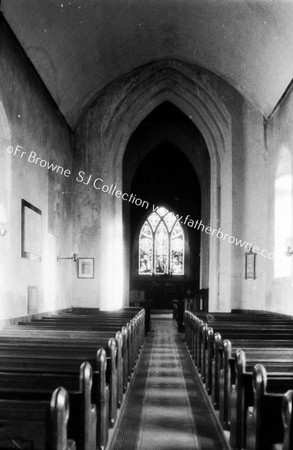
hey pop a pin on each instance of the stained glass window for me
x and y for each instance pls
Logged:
(177, 251)
(170, 219)
(161, 244)
(153, 220)
(145, 250)
(161, 249)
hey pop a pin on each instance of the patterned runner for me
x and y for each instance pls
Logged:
(166, 407)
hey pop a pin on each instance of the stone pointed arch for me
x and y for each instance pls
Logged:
(123, 106)
(187, 89)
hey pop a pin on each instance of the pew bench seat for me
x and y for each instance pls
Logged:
(265, 426)
(39, 423)
(82, 425)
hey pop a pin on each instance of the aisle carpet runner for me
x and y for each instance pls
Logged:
(166, 407)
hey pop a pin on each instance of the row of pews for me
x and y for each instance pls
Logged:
(197, 304)
(246, 363)
(63, 376)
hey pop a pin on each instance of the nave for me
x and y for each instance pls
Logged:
(85, 379)
(62, 377)
(146, 156)
(166, 407)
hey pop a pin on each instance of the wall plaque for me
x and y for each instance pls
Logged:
(31, 231)
(250, 263)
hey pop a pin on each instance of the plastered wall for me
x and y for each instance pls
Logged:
(255, 161)
(101, 138)
(250, 166)
(241, 193)
(31, 122)
(279, 291)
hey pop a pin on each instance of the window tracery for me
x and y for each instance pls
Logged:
(161, 244)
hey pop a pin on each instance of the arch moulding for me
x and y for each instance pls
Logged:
(132, 98)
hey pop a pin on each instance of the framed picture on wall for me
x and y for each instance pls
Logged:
(31, 232)
(85, 267)
(250, 263)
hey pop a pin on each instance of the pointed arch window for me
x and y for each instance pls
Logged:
(161, 244)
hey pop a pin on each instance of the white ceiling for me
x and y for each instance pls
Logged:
(79, 46)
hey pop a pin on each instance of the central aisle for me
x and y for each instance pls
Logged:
(167, 417)
(166, 407)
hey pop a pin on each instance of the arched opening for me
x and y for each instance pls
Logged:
(204, 136)
(283, 215)
(167, 165)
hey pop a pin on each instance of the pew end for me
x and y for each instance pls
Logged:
(101, 398)
(264, 419)
(287, 420)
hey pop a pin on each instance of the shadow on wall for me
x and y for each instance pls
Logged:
(6, 272)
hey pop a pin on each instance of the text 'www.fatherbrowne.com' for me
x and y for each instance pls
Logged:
(199, 225)
(98, 184)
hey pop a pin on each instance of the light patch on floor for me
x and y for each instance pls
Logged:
(167, 419)
(166, 406)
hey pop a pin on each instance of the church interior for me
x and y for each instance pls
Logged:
(146, 189)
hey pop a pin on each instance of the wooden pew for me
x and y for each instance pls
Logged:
(69, 352)
(126, 357)
(243, 317)
(133, 334)
(136, 324)
(223, 365)
(197, 331)
(130, 344)
(237, 372)
(63, 360)
(232, 322)
(243, 331)
(287, 411)
(234, 364)
(68, 340)
(255, 333)
(41, 423)
(82, 423)
(137, 315)
(264, 418)
(206, 351)
(242, 394)
(193, 320)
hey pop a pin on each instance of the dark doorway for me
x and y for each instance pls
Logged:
(164, 177)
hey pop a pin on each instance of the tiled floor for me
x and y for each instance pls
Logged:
(166, 406)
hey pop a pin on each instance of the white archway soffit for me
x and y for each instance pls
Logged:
(182, 141)
(79, 46)
(166, 81)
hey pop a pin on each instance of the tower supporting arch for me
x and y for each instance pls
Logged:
(131, 99)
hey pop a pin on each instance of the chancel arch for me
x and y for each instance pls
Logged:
(149, 155)
(195, 95)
